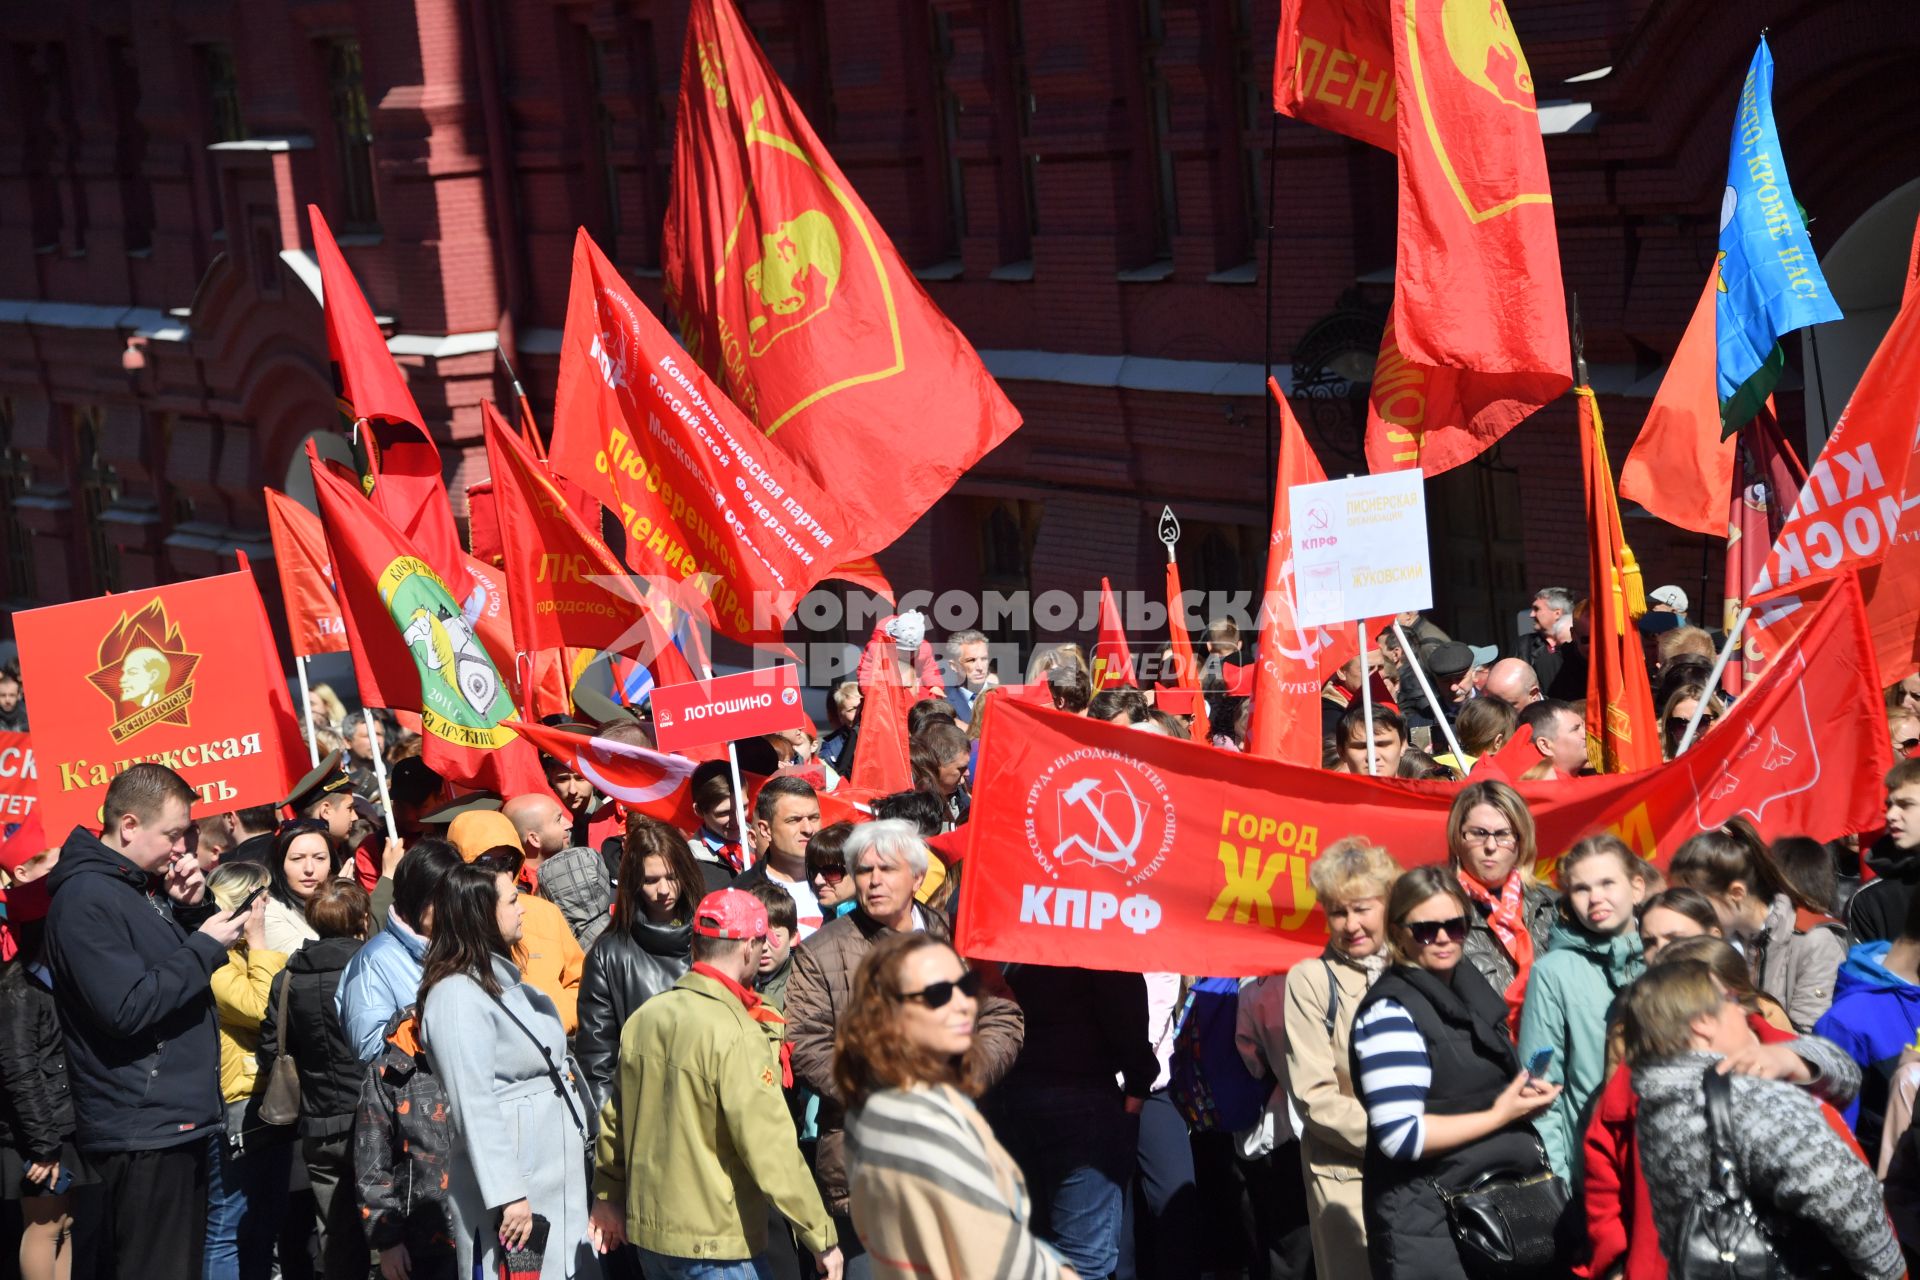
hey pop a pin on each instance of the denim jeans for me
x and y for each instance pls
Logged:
(246, 1194)
(659, 1266)
(1074, 1143)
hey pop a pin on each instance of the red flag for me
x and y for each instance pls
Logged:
(1515, 756)
(1285, 723)
(1095, 846)
(1186, 669)
(403, 465)
(1862, 498)
(1622, 725)
(865, 572)
(703, 498)
(881, 761)
(1112, 659)
(649, 782)
(1479, 330)
(306, 579)
(790, 294)
(287, 719)
(1680, 469)
(414, 649)
(1755, 515)
(1333, 67)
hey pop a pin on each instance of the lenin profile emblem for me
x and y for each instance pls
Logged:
(1464, 55)
(145, 671)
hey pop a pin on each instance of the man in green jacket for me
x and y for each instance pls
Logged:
(696, 1140)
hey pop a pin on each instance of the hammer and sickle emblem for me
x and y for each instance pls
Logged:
(1116, 850)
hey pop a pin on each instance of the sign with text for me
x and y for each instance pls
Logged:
(1360, 548)
(727, 709)
(173, 675)
(17, 789)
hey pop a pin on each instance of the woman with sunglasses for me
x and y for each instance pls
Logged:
(933, 1194)
(1490, 847)
(645, 950)
(1446, 1101)
(827, 870)
(1679, 711)
(304, 857)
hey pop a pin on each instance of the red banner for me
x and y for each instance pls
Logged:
(18, 778)
(1096, 845)
(727, 708)
(1478, 339)
(306, 579)
(1623, 729)
(1333, 67)
(790, 294)
(175, 675)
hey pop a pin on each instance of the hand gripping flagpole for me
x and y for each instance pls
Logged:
(1734, 633)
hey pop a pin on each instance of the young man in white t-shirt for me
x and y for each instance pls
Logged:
(785, 815)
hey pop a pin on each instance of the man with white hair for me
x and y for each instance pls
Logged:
(969, 671)
(1551, 648)
(887, 859)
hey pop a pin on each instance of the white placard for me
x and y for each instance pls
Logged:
(1360, 548)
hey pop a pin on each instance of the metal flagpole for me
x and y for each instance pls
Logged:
(1366, 692)
(1433, 702)
(306, 706)
(380, 771)
(739, 789)
(1734, 633)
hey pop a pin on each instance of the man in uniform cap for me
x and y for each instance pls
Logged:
(325, 794)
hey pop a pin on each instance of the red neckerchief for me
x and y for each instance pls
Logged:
(1509, 924)
(760, 1012)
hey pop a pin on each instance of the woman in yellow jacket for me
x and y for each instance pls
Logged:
(248, 1171)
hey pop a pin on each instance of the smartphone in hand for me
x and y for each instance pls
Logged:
(246, 903)
(1537, 1065)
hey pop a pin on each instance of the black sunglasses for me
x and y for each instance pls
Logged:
(935, 995)
(1678, 724)
(831, 874)
(1428, 932)
(1906, 744)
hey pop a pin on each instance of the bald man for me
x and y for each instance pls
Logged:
(544, 825)
(1514, 682)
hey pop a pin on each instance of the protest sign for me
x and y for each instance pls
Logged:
(175, 675)
(1360, 548)
(16, 777)
(728, 708)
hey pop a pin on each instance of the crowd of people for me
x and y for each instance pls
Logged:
(544, 1035)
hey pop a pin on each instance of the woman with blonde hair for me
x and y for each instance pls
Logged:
(1490, 846)
(933, 1193)
(328, 710)
(1048, 657)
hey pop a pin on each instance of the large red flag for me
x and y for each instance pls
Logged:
(704, 499)
(790, 294)
(413, 649)
(882, 760)
(306, 579)
(403, 464)
(1285, 723)
(1096, 846)
(643, 781)
(1479, 331)
(1112, 659)
(1623, 729)
(1333, 67)
(1680, 468)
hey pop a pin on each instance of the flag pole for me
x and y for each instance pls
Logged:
(1420, 674)
(306, 707)
(1366, 692)
(739, 789)
(380, 771)
(1734, 633)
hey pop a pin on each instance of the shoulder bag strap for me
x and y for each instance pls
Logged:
(1333, 997)
(553, 1068)
(1718, 1091)
(280, 1017)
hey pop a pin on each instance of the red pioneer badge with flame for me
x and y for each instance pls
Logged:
(145, 671)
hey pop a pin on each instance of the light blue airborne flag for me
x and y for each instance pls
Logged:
(1770, 281)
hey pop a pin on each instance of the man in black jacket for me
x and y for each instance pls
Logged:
(143, 1053)
(1879, 908)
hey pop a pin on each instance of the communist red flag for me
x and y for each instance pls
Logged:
(1680, 468)
(1478, 339)
(1623, 729)
(306, 579)
(1183, 697)
(1112, 659)
(704, 499)
(1285, 722)
(403, 464)
(1755, 511)
(1333, 67)
(413, 649)
(882, 763)
(790, 294)
(1095, 846)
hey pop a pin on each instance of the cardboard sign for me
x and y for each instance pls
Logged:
(173, 675)
(1360, 548)
(728, 708)
(16, 777)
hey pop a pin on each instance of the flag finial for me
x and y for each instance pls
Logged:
(1169, 530)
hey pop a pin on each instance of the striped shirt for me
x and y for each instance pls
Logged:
(1395, 1077)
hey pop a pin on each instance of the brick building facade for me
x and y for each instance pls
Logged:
(1084, 186)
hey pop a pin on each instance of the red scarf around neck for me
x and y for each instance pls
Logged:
(1508, 921)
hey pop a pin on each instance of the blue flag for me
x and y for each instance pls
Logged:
(1770, 281)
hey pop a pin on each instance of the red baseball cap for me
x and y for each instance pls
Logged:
(27, 842)
(730, 913)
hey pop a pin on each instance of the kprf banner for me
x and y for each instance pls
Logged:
(1099, 846)
(727, 708)
(175, 675)
(17, 777)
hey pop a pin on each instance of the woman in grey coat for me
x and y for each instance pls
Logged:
(520, 1146)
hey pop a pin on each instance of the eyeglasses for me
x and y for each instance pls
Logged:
(1480, 835)
(1677, 725)
(1428, 932)
(935, 995)
(1904, 745)
(830, 874)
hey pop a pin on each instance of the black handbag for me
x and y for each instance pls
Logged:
(1723, 1237)
(1506, 1227)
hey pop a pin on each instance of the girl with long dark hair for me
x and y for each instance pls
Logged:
(305, 856)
